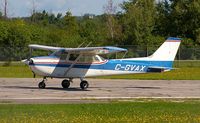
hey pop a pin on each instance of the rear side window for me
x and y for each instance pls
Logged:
(88, 59)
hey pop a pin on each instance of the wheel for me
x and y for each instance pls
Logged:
(65, 83)
(84, 85)
(42, 85)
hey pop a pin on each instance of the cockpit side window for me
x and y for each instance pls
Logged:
(89, 59)
(73, 57)
(86, 58)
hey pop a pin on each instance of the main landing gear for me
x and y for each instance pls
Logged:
(42, 84)
(84, 85)
(65, 84)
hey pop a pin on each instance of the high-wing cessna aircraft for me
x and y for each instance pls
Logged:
(86, 62)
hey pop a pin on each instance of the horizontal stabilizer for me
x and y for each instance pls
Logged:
(158, 69)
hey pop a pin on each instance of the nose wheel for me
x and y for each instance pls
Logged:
(84, 85)
(42, 85)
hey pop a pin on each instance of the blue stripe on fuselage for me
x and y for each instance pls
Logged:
(168, 64)
(119, 65)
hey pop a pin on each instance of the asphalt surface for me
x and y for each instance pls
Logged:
(26, 90)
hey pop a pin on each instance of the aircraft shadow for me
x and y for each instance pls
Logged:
(144, 87)
(47, 88)
(78, 89)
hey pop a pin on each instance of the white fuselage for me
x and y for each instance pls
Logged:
(56, 68)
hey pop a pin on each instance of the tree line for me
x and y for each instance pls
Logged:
(140, 22)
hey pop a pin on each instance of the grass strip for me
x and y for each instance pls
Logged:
(138, 112)
(177, 74)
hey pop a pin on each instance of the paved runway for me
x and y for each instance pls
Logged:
(26, 90)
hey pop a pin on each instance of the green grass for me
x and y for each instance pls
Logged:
(178, 74)
(188, 70)
(187, 63)
(15, 72)
(137, 112)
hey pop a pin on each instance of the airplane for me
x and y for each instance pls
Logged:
(70, 63)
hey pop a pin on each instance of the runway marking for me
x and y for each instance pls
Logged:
(90, 98)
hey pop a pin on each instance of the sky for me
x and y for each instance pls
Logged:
(22, 8)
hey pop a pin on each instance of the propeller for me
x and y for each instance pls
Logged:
(28, 61)
(25, 61)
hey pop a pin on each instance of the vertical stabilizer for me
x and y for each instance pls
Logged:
(167, 51)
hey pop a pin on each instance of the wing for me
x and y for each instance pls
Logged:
(95, 50)
(43, 47)
(87, 50)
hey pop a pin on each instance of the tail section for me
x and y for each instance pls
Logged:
(167, 51)
(164, 55)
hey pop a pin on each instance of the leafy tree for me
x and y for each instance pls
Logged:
(40, 18)
(163, 22)
(70, 23)
(185, 18)
(58, 20)
(92, 30)
(139, 21)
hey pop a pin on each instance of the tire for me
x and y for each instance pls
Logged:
(65, 83)
(84, 85)
(42, 85)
